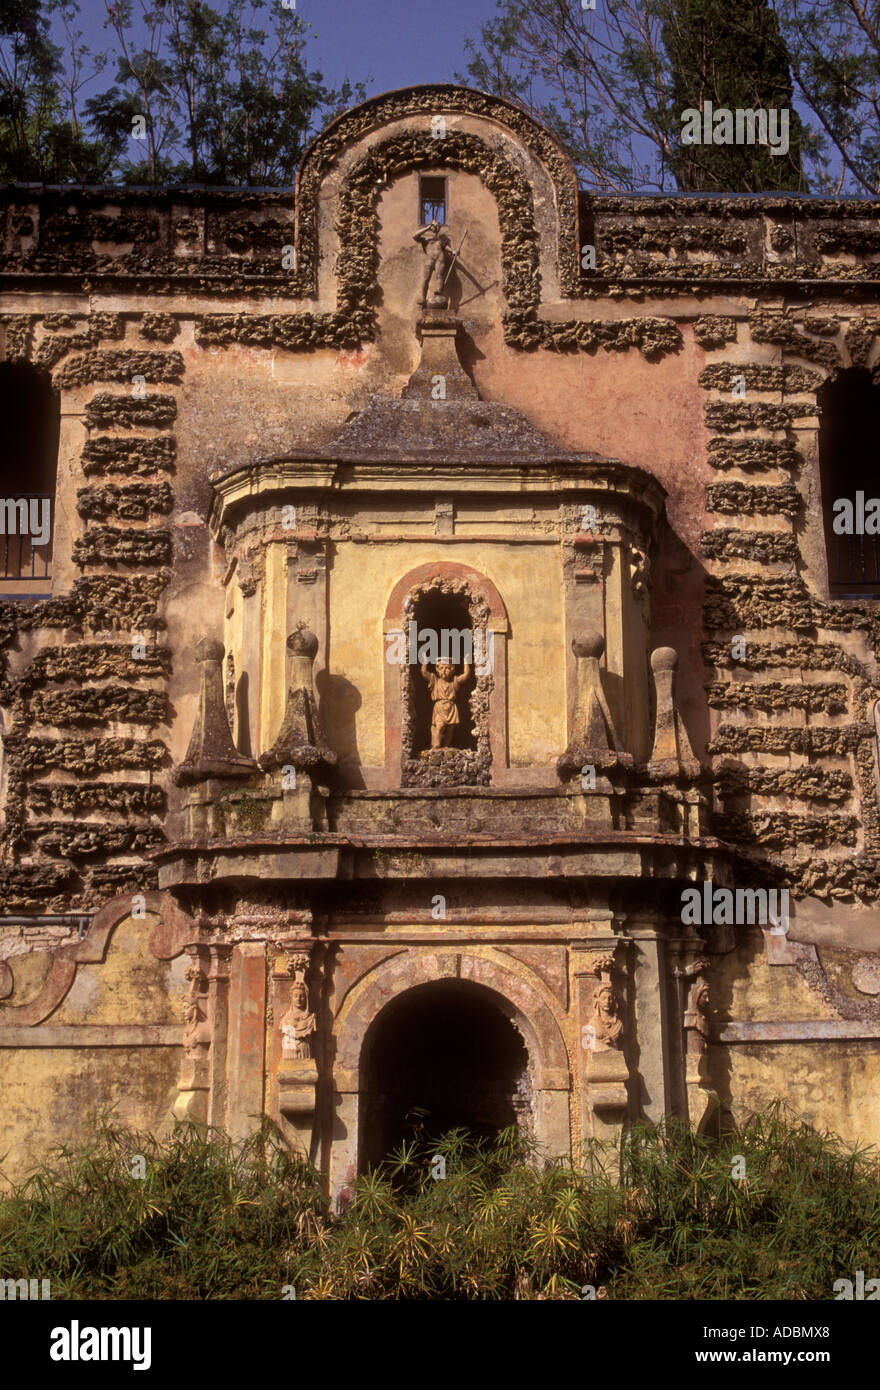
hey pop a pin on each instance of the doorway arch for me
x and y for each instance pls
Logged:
(515, 993)
(440, 1056)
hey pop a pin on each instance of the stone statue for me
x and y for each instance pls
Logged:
(435, 244)
(443, 687)
(192, 1008)
(298, 1024)
(695, 1016)
(607, 1023)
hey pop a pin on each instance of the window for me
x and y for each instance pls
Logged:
(849, 412)
(30, 411)
(432, 200)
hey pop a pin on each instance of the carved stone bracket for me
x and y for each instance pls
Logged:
(209, 965)
(604, 1071)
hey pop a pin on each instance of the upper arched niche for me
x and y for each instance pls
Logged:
(342, 173)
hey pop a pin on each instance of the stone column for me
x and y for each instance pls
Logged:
(700, 1100)
(218, 984)
(201, 1097)
(194, 1085)
(652, 1020)
(247, 1030)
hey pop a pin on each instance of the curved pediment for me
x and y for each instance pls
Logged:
(438, 126)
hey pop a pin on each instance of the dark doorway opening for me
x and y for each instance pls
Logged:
(447, 1049)
(849, 413)
(31, 414)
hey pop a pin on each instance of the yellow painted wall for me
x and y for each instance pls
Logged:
(361, 582)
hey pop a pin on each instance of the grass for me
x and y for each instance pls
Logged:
(659, 1217)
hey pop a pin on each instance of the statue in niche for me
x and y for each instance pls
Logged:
(435, 244)
(608, 1024)
(443, 686)
(298, 1023)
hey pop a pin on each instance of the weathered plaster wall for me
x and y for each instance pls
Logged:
(242, 361)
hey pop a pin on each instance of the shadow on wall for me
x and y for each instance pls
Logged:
(338, 704)
(242, 716)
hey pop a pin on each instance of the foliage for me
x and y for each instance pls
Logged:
(208, 94)
(660, 1217)
(834, 53)
(734, 57)
(613, 82)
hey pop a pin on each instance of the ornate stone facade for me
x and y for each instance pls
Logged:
(240, 875)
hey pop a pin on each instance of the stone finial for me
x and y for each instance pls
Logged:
(594, 737)
(301, 742)
(211, 752)
(672, 754)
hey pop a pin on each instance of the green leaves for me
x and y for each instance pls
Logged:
(660, 1216)
(208, 94)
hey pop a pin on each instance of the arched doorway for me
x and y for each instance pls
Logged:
(448, 1050)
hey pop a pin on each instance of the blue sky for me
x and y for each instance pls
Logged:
(396, 42)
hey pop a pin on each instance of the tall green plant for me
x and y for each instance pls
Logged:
(666, 1215)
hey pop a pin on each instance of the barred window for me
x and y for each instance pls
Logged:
(432, 200)
(30, 412)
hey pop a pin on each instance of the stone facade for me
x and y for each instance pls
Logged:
(237, 877)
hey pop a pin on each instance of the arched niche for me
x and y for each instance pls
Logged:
(478, 1080)
(505, 133)
(424, 592)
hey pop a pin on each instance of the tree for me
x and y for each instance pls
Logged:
(614, 83)
(41, 137)
(734, 57)
(600, 84)
(207, 94)
(834, 48)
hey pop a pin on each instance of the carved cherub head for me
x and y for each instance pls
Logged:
(445, 670)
